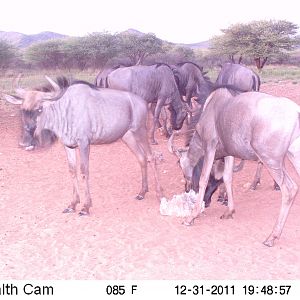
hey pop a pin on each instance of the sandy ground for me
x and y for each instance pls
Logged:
(128, 239)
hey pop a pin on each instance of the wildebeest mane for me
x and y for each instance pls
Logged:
(157, 65)
(190, 62)
(64, 83)
(91, 85)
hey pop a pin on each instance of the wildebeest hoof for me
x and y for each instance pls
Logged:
(220, 199)
(188, 222)
(139, 197)
(228, 215)
(225, 202)
(253, 186)
(69, 210)
(83, 213)
(29, 148)
(269, 243)
(276, 187)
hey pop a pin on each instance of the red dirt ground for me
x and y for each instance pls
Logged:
(128, 239)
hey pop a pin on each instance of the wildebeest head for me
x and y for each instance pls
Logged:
(177, 116)
(184, 163)
(31, 103)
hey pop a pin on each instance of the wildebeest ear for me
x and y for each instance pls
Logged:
(12, 99)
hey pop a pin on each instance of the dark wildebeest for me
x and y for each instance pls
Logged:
(82, 115)
(246, 80)
(101, 78)
(240, 126)
(192, 82)
(155, 84)
(215, 178)
(238, 76)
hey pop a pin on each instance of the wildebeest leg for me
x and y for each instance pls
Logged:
(211, 188)
(163, 122)
(152, 107)
(276, 186)
(158, 108)
(135, 145)
(84, 150)
(188, 97)
(227, 177)
(71, 155)
(288, 190)
(212, 185)
(207, 166)
(256, 180)
(222, 197)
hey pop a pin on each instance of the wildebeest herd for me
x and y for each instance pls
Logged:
(230, 120)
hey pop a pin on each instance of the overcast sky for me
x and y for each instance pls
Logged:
(186, 21)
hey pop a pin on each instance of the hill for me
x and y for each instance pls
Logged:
(21, 40)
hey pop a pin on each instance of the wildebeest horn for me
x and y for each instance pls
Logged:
(53, 83)
(172, 149)
(16, 86)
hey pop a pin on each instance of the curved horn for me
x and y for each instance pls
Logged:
(172, 149)
(53, 83)
(16, 86)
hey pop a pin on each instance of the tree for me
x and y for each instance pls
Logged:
(140, 46)
(48, 55)
(8, 55)
(76, 53)
(259, 40)
(100, 48)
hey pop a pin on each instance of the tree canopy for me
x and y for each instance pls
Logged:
(137, 47)
(258, 40)
(8, 55)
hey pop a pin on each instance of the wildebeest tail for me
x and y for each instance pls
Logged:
(256, 83)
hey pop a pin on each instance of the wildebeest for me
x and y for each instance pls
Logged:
(28, 116)
(238, 76)
(155, 84)
(215, 178)
(246, 80)
(240, 126)
(82, 115)
(231, 75)
(101, 78)
(192, 82)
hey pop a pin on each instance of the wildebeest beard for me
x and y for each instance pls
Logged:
(30, 139)
(45, 139)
